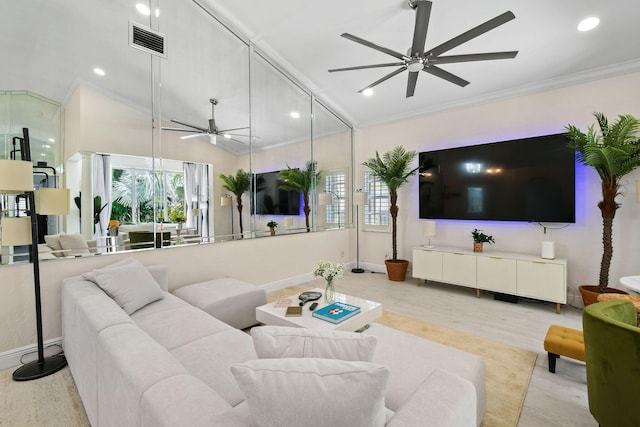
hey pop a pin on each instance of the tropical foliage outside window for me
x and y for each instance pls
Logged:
(334, 184)
(134, 192)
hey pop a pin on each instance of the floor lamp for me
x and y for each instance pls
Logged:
(359, 199)
(16, 177)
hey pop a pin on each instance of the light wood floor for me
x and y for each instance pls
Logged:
(558, 399)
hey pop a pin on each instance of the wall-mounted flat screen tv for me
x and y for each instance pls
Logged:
(270, 199)
(530, 179)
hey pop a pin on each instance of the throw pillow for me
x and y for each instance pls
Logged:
(274, 342)
(131, 286)
(313, 392)
(91, 275)
(73, 244)
(53, 241)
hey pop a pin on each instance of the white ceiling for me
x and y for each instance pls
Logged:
(305, 38)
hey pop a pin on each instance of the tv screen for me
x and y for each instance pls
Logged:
(271, 200)
(530, 179)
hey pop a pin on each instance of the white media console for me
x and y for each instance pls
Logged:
(506, 273)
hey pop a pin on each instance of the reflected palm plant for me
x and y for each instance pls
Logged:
(237, 184)
(303, 181)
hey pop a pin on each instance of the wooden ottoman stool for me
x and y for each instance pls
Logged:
(561, 341)
(230, 300)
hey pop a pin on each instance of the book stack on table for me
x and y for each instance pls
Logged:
(336, 312)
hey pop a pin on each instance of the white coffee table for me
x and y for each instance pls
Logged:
(370, 311)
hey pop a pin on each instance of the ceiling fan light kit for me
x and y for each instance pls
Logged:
(211, 130)
(417, 59)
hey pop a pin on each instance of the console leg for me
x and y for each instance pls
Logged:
(558, 307)
(477, 293)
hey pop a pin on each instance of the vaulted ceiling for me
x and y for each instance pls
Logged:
(305, 37)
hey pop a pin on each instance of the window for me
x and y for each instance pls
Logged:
(376, 211)
(335, 212)
(134, 191)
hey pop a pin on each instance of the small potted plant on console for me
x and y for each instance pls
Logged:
(479, 238)
(272, 227)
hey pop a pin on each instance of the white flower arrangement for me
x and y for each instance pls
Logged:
(329, 270)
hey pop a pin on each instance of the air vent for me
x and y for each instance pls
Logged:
(143, 38)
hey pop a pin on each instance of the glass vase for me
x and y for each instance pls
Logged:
(329, 292)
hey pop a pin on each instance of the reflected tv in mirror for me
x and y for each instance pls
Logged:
(270, 199)
(530, 179)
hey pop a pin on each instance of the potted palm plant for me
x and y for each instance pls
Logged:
(394, 169)
(237, 184)
(613, 153)
(303, 181)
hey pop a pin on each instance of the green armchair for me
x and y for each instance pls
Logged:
(612, 350)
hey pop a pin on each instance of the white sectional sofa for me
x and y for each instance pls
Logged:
(169, 364)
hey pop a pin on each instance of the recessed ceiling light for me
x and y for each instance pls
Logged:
(367, 92)
(52, 140)
(226, 135)
(99, 71)
(46, 146)
(295, 114)
(588, 24)
(143, 9)
(43, 155)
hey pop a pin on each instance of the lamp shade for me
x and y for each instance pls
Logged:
(225, 201)
(16, 176)
(16, 231)
(429, 228)
(325, 199)
(360, 198)
(52, 201)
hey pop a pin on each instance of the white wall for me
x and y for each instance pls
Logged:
(264, 261)
(518, 117)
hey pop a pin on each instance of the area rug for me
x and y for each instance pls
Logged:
(508, 369)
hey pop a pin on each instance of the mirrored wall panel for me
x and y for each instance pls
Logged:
(167, 126)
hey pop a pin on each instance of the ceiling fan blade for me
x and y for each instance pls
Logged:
(191, 126)
(373, 46)
(439, 72)
(471, 34)
(473, 57)
(227, 130)
(363, 67)
(388, 76)
(195, 135)
(423, 13)
(181, 130)
(411, 83)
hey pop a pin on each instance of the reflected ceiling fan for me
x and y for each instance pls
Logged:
(211, 130)
(417, 59)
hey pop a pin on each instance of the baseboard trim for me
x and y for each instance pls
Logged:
(12, 358)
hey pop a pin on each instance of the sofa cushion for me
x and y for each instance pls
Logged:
(311, 392)
(130, 285)
(73, 244)
(53, 241)
(272, 342)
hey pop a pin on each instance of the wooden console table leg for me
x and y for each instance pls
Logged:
(558, 307)
(477, 293)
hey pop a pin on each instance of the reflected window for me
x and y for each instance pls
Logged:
(475, 199)
(376, 211)
(335, 212)
(134, 192)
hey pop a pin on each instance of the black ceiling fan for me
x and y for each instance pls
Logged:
(417, 59)
(211, 130)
